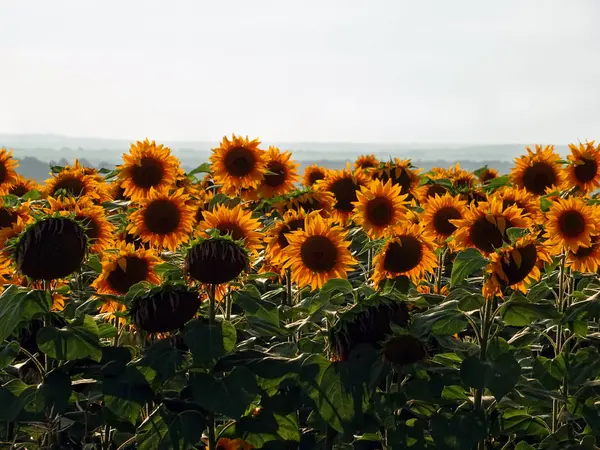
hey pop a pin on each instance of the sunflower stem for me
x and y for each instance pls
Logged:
(486, 322)
(212, 440)
(288, 287)
(563, 286)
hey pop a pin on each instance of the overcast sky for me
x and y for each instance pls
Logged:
(461, 71)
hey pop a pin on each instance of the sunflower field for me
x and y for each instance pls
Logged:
(243, 305)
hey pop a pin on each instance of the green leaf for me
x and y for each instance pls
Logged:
(126, 394)
(209, 343)
(33, 194)
(550, 372)
(163, 430)
(443, 320)
(324, 387)
(498, 182)
(254, 306)
(470, 302)
(261, 364)
(77, 340)
(473, 372)
(336, 285)
(516, 233)
(521, 423)
(524, 446)
(266, 427)
(18, 304)
(8, 352)
(455, 393)
(519, 312)
(503, 376)
(466, 263)
(202, 168)
(56, 390)
(163, 358)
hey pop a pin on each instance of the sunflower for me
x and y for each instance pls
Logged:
(378, 207)
(163, 220)
(538, 171)
(439, 212)
(312, 174)
(98, 229)
(486, 175)
(74, 182)
(516, 265)
(484, 225)
(408, 251)
(430, 189)
(238, 164)
(201, 204)
(216, 260)
(570, 224)
(276, 239)
(529, 203)
(7, 170)
(307, 199)
(233, 444)
(366, 162)
(236, 222)
(6, 235)
(401, 172)
(403, 349)
(281, 173)
(344, 185)
(21, 186)
(9, 215)
(461, 179)
(147, 166)
(584, 168)
(317, 253)
(585, 259)
(124, 268)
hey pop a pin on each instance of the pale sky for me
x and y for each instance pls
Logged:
(462, 71)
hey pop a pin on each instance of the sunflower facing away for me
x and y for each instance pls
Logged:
(584, 166)
(378, 207)
(570, 224)
(366, 162)
(401, 172)
(307, 199)
(276, 239)
(7, 170)
(147, 166)
(312, 174)
(318, 253)
(408, 252)
(98, 229)
(21, 186)
(538, 171)
(238, 164)
(236, 222)
(344, 185)
(281, 173)
(163, 220)
(529, 203)
(516, 265)
(585, 259)
(484, 226)
(439, 212)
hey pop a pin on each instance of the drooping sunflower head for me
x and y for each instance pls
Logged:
(439, 213)
(400, 172)
(378, 207)
(408, 251)
(276, 239)
(403, 349)
(344, 185)
(312, 174)
(236, 222)
(124, 267)
(487, 174)
(147, 166)
(527, 202)
(164, 220)
(570, 224)
(216, 260)
(585, 259)
(538, 171)
(366, 162)
(8, 176)
(583, 170)
(515, 266)
(165, 308)
(50, 248)
(238, 164)
(318, 252)
(484, 225)
(308, 200)
(281, 173)
(21, 186)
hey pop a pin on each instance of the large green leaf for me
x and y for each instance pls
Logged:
(77, 340)
(331, 287)
(126, 394)
(261, 364)
(265, 426)
(18, 305)
(8, 352)
(499, 376)
(518, 311)
(202, 168)
(209, 343)
(163, 430)
(56, 390)
(523, 424)
(163, 358)
(465, 264)
(255, 307)
(443, 320)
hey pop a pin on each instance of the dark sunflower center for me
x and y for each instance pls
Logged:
(380, 211)
(583, 252)
(315, 176)
(7, 217)
(366, 164)
(162, 217)
(71, 185)
(403, 256)
(19, 190)
(232, 229)
(3, 173)
(485, 235)
(442, 218)
(277, 176)
(487, 176)
(344, 191)
(239, 161)
(402, 179)
(571, 223)
(310, 204)
(136, 270)
(319, 254)
(518, 268)
(199, 216)
(434, 189)
(148, 173)
(538, 177)
(296, 224)
(91, 227)
(587, 171)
